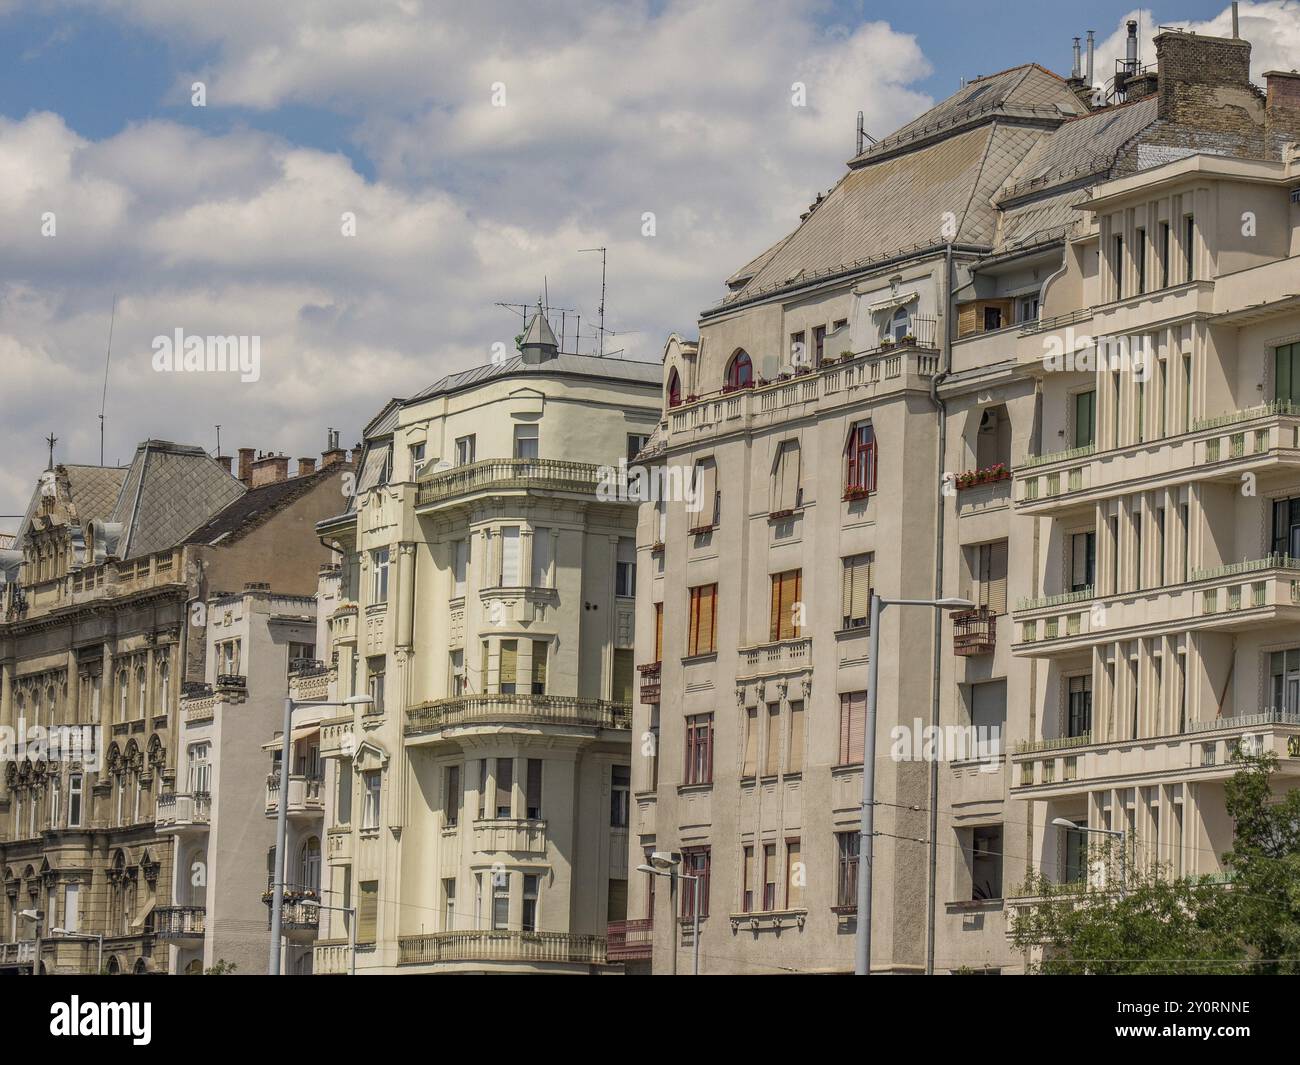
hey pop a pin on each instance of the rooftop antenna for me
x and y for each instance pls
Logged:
(51, 440)
(601, 309)
(863, 135)
(103, 398)
(218, 441)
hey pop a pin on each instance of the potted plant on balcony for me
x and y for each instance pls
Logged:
(846, 355)
(856, 492)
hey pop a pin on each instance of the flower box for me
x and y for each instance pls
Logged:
(856, 493)
(988, 475)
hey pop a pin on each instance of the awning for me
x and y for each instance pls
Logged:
(145, 911)
(900, 300)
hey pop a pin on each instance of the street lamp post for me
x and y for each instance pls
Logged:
(1116, 833)
(282, 818)
(666, 864)
(351, 911)
(862, 961)
(87, 937)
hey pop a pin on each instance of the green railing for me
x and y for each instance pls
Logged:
(1265, 410)
(1059, 743)
(546, 474)
(1254, 565)
(1063, 599)
(1058, 456)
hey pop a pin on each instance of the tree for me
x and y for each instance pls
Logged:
(1248, 922)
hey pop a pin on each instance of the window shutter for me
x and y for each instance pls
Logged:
(772, 758)
(749, 875)
(539, 664)
(708, 619)
(853, 712)
(367, 911)
(708, 778)
(659, 632)
(846, 589)
(997, 594)
(706, 478)
(774, 628)
(509, 661)
(541, 557)
(750, 766)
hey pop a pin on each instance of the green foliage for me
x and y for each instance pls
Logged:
(1247, 922)
(221, 968)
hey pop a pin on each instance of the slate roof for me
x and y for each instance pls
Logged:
(564, 364)
(255, 506)
(169, 491)
(90, 490)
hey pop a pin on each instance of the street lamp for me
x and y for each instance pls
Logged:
(666, 863)
(35, 916)
(1065, 822)
(282, 817)
(351, 911)
(88, 937)
(862, 966)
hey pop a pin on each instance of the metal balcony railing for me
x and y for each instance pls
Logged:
(974, 632)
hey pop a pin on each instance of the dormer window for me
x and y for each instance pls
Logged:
(674, 390)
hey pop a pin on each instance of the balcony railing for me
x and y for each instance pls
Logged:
(20, 953)
(650, 674)
(179, 922)
(775, 657)
(1264, 410)
(629, 940)
(183, 809)
(1058, 456)
(304, 794)
(1061, 599)
(974, 632)
(501, 946)
(529, 709)
(543, 474)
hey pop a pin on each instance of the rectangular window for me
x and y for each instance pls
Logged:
(749, 768)
(370, 812)
(508, 674)
(500, 901)
(696, 862)
(1085, 418)
(991, 560)
(344, 808)
(794, 874)
(704, 511)
(786, 593)
(482, 788)
(702, 632)
(772, 741)
(72, 908)
(525, 441)
(1164, 254)
(853, 714)
(379, 575)
(1076, 856)
(846, 880)
(1079, 716)
(1083, 560)
(540, 650)
(1119, 268)
(620, 796)
(456, 671)
(625, 567)
(787, 489)
(533, 790)
(798, 347)
(986, 863)
(659, 632)
(819, 344)
(510, 556)
(855, 597)
(74, 800)
(1140, 253)
(465, 450)
(636, 443)
(367, 910)
(451, 797)
(699, 749)
(460, 567)
(505, 782)
(531, 881)
(1286, 376)
(860, 461)
(541, 557)
(375, 684)
(1189, 246)
(449, 905)
(747, 874)
(794, 749)
(769, 876)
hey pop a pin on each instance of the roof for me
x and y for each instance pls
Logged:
(86, 492)
(169, 491)
(539, 333)
(237, 519)
(563, 365)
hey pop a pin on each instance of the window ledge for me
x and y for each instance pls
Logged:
(703, 657)
(757, 919)
(688, 789)
(959, 905)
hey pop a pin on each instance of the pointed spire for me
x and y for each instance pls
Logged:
(539, 343)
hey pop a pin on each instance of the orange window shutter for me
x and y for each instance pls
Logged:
(774, 629)
(659, 632)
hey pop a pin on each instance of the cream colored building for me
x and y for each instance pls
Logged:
(476, 812)
(993, 476)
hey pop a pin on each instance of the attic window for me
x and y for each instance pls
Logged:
(978, 92)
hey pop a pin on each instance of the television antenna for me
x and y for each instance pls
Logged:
(601, 309)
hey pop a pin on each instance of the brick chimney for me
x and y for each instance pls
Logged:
(1282, 105)
(225, 461)
(246, 465)
(333, 454)
(1205, 81)
(306, 466)
(269, 469)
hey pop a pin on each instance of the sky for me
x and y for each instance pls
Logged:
(358, 185)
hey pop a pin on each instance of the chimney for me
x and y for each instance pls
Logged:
(1205, 82)
(1076, 68)
(246, 466)
(306, 466)
(332, 454)
(269, 469)
(1091, 48)
(1282, 106)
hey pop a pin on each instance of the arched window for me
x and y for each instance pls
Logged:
(860, 460)
(674, 389)
(164, 686)
(123, 696)
(113, 966)
(740, 371)
(309, 865)
(142, 692)
(901, 324)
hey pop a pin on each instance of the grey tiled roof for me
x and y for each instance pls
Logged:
(169, 491)
(91, 491)
(561, 365)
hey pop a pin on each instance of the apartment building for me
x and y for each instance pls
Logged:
(477, 808)
(911, 398)
(100, 633)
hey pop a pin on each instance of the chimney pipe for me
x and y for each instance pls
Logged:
(246, 465)
(1131, 47)
(1091, 45)
(1076, 70)
(225, 461)
(1236, 26)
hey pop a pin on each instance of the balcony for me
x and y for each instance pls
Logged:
(336, 737)
(177, 813)
(540, 948)
(510, 834)
(650, 673)
(974, 632)
(305, 798)
(1203, 750)
(331, 957)
(475, 710)
(309, 680)
(508, 475)
(782, 656)
(179, 922)
(299, 914)
(338, 845)
(629, 940)
(20, 953)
